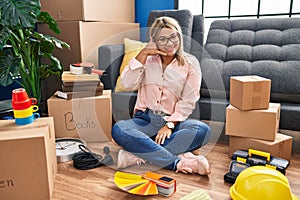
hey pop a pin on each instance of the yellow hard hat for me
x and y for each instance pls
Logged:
(261, 182)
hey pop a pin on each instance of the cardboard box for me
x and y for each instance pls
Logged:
(87, 118)
(250, 92)
(281, 147)
(85, 38)
(28, 159)
(259, 124)
(90, 10)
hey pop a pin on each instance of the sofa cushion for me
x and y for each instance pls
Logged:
(184, 18)
(131, 48)
(264, 47)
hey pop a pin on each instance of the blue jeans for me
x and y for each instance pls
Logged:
(137, 135)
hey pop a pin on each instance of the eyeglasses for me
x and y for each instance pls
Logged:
(163, 41)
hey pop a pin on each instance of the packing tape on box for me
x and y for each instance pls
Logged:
(76, 70)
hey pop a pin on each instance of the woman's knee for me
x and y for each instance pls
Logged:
(205, 130)
(201, 127)
(114, 132)
(117, 130)
(121, 130)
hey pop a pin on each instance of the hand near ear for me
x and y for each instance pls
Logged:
(150, 49)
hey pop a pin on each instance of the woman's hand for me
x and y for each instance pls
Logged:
(149, 49)
(162, 134)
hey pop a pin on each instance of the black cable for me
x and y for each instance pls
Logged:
(88, 160)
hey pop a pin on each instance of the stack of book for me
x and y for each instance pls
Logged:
(149, 183)
(78, 86)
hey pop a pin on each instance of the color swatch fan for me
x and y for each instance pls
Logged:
(146, 184)
(135, 184)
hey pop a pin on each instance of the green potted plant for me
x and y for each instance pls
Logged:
(25, 54)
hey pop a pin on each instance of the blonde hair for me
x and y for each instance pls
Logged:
(168, 22)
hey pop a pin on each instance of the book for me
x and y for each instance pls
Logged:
(74, 95)
(81, 83)
(68, 76)
(85, 68)
(149, 183)
(76, 88)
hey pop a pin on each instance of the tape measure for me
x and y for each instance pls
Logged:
(85, 68)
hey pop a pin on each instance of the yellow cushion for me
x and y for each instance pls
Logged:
(132, 48)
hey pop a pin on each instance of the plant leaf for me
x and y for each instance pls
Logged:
(56, 65)
(45, 72)
(9, 69)
(19, 13)
(48, 43)
(46, 18)
(4, 36)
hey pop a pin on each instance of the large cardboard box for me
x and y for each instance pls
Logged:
(250, 92)
(260, 124)
(90, 10)
(86, 37)
(28, 159)
(87, 118)
(281, 147)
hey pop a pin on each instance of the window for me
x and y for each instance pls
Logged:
(215, 8)
(243, 7)
(296, 7)
(240, 9)
(195, 6)
(274, 6)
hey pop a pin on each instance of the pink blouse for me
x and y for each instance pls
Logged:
(173, 91)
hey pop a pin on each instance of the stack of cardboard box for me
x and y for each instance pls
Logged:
(28, 160)
(88, 118)
(252, 121)
(87, 24)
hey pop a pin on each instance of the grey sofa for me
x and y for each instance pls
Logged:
(266, 47)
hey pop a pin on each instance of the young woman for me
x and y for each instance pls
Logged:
(168, 81)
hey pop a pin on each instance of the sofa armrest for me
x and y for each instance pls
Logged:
(110, 59)
(197, 36)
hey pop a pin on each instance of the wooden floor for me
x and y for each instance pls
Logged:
(98, 183)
